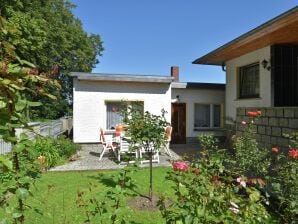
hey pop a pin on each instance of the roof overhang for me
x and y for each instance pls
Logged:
(282, 29)
(121, 77)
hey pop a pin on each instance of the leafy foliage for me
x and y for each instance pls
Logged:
(207, 193)
(283, 182)
(47, 34)
(208, 142)
(53, 150)
(18, 80)
(111, 208)
(250, 159)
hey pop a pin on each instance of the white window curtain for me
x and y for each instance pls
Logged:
(207, 116)
(202, 115)
(113, 114)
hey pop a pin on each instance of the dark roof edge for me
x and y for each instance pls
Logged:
(198, 85)
(121, 77)
(262, 26)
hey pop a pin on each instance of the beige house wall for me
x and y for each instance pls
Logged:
(232, 66)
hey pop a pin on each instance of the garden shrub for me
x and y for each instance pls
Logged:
(250, 160)
(283, 182)
(53, 150)
(206, 193)
(208, 142)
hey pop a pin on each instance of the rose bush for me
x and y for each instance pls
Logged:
(207, 193)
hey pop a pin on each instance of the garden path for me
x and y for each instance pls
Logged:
(88, 158)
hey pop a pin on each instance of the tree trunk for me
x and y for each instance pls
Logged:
(150, 177)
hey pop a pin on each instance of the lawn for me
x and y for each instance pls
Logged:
(55, 195)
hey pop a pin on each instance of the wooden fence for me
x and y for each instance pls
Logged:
(53, 128)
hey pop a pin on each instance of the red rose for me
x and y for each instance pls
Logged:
(276, 150)
(252, 114)
(293, 153)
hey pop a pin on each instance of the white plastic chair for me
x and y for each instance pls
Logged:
(107, 143)
(124, 148)
(168, 136)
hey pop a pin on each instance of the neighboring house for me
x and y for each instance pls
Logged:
(261, 73)
(98, 98)
(196, 108)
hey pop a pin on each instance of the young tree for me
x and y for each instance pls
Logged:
(148, 131)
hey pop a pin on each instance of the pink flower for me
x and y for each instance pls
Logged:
(275, 150)
(293, 153)
(243, 122)
(241, 182)
(180, 166)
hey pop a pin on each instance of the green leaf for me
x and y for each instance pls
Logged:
(2, 104)
(19, 147)
(33, 104)
(5, 81)
(3, 221)
(16, 215)
(20, 105)
(22, 193)
(6, 163)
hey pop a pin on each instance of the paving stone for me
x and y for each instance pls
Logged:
(264, 120)
(279, 112)
(276, 131)
(283, 142)
(265, 138)
(268, 131)
(273, 121)
(287, 131)
(283, 122)
(273, 140)
(88, 158)
(270, 112)
(262, 130)
(289, 112)
(241, 111)
(293, 123)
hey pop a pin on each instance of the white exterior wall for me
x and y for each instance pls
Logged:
(232, 101)
(89, 110)
(192, 96)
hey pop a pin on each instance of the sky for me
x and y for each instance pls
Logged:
(147, 37)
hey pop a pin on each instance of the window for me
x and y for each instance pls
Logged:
(249, 84)
(114, 116)
(207, 116)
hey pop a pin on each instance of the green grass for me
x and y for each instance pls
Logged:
(55, 195)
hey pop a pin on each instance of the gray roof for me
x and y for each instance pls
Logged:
(121, 77)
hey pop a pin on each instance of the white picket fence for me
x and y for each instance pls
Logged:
(53, 129)
(4, 147)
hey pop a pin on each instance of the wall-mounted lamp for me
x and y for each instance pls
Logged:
(223, 67)
(177, 98)
(264, 63)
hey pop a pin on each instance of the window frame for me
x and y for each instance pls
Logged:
(129, 103)
(211, 116)
(240, 73)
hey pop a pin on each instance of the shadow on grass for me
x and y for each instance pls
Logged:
(108, 181)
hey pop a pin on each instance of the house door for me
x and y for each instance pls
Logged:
(179, 123)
